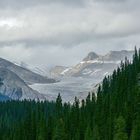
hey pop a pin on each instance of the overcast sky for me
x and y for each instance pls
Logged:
(62, 32)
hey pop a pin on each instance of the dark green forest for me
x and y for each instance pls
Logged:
(113, 113)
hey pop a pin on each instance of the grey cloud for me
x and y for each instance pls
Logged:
(44, 28)
(17, 4)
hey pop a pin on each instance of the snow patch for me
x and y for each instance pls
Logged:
(100, 62)
(65, 71)
(94, 72)
(87, 71)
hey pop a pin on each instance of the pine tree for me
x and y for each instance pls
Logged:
(136, 130)
(41, 131)
(120, 133)
(59, 102)
(59, 105)
(59, 131)
(88, 134)
(96, 135)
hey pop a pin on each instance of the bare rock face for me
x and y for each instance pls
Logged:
(91, 56)
(13, 87)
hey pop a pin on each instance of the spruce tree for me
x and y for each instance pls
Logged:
(59, 131)
(135, 135)
(120, 133)
(88, 134)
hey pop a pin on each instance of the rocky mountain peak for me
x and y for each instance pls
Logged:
(91, 56)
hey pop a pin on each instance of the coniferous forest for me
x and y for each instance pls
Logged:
(111, 114)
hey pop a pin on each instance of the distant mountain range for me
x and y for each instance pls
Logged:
(93, 65)
(18, 77)
(78, 80)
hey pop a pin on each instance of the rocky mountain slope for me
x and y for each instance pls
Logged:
(25, 74)
(97, 66)
(15, 88)
(16, 81)
(41, 70)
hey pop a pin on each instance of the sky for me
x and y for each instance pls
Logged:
(63, 32)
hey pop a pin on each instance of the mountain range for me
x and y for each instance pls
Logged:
(94, 65)
(79, 79)
(18, 78)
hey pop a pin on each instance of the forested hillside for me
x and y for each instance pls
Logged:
(114, 114)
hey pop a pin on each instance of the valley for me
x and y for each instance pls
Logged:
(68, 87)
